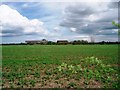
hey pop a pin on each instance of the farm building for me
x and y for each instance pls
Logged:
(43, 41)
(62, 42)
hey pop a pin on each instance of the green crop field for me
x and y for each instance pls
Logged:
(60, 66)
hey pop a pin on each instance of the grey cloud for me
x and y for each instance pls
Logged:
(106, 38)
(10, 31)
(79, 10)
(108, 16)
(78, 17)
(10, 35)
(107, 32)
(113, 5)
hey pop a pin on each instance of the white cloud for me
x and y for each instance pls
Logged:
(93, 18)
(73, 29)
(13, 23)
(57, 28)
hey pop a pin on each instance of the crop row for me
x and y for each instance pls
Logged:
(90, 72)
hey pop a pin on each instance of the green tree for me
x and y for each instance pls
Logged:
(117, 25)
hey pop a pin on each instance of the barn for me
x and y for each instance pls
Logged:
(43, 41)
(64, 42)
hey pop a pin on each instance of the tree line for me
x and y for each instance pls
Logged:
(75, 42)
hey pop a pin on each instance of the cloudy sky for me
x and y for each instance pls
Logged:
(68, 19)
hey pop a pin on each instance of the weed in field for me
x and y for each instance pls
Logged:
(86, 82)
(45, 77)
(21, 83)
(32, 82)
(37, 74)
(94, 69)
(57, 77)
(72, 85)
(48, 72)
(11, 85)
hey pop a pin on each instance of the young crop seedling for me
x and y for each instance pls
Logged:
(32, 82)
(37, 74)
(48, 72)
(21, 83)
(72, 85)
(98, 70)
(60, 68)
